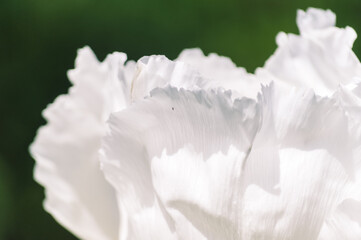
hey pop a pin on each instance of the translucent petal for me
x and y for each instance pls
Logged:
(345, 223)
(192, 71)
(158, 71)
(279, 175)
(66, 149)
(320, 58)
(168, 121)
(308, 142)
(349, 98)
(201, 193)
(221, 72)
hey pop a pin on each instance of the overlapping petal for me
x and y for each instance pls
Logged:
(193, 71)
(195, 148)
(158, 71)
(170, 120)
(315, 160)
(320, 58)
(66, 149)
(221, 72)
(283, 176)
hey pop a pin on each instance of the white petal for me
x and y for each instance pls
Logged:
(221, 72)
(192, 70)
(66, 149)
(315, 19)
(310, 187)
(182, 163)
(349, 98)
(158, 71)
(200, 192)
(310, 148)
(168, 121)
(320, 58)
(345, 223)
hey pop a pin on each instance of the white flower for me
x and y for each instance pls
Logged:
(197, 148)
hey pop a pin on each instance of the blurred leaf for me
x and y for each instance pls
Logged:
(5, 207)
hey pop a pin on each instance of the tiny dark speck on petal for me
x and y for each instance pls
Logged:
(173, 108)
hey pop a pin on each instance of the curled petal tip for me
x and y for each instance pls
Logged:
(315, 19)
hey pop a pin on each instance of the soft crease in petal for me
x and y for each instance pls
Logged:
(345, 223)
(138, 159)
(66, 149)
(312, 149)
(201, 192)
(268, 178)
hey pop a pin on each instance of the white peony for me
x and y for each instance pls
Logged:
(197, 148)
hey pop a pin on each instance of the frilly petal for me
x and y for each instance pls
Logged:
(66, 149)
(221, 72)
(315, 19)
(320, 58)
(212, 66)
(264, 185)
(306, 142)
(135, 158)
(158, 71)
(192, 71)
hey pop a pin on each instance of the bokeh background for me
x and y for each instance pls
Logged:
(38, 43)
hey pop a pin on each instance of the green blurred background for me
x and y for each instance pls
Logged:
(38, 43)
